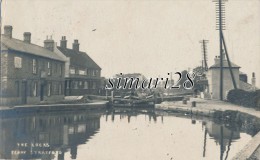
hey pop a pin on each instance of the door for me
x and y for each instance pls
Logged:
(24, 92)
(42, 92)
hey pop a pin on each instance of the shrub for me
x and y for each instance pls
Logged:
(244, 98)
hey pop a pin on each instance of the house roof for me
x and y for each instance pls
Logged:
(21, 46)
(242, 73)
(225, 65)
(246, 86)
(80, 59)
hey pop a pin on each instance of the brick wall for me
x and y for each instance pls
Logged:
(17, 76)
(4, 71)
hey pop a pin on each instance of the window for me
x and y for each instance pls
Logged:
(54, 87)
(49, 68)
(82, 72)
(72, 71)
(76, 85)
(71, 130)
(85, 85)
(94, 85)
(49, 89)
(81, 128)
(67, 84)
(80, 83)
(87, 71)
(34, 89)
(95, 72)
(17, 62)
(34, 63)
(17, 87)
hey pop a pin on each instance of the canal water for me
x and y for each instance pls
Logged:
(121, 134)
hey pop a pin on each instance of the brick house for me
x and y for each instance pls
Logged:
(82, 74)
(29, 73)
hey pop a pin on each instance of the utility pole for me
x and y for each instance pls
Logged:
(1, 50)
(229, 63)
(220, 25)
(204, 54)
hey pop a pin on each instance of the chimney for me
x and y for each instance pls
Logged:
(49, 44)
(8, 31)
(75, 45)
(217, 59)
(27, 37)
(253, 80)
(63, 42)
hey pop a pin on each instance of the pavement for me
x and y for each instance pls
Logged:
(207, 106)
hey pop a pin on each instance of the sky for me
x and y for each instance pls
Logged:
(142, 36)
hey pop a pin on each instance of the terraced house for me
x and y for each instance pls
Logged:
(29, 73)
(82, 74)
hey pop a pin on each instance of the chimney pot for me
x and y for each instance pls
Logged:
(217, 60)
(8, 31)
(253, 81)
(75, 45)
(63, 42)
(49, 44)
(27, 37)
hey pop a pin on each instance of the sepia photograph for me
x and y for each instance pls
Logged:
(130, 79)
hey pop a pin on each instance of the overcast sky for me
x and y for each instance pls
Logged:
(144, 36)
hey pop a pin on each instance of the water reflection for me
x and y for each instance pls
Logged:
(45, 135)
(128, 113)
(58, 135)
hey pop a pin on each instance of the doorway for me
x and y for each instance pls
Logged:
(24, 92)
(42, 92)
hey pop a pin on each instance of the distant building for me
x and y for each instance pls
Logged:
(214, 78)
(242, 77)
(29, 73)
(82, 74)
(248, 87)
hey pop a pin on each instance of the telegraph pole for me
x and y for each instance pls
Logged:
(1, 50)
(204, 54)
(220, 25)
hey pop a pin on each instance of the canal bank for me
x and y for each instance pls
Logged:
(5, 110)
(217, 109)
